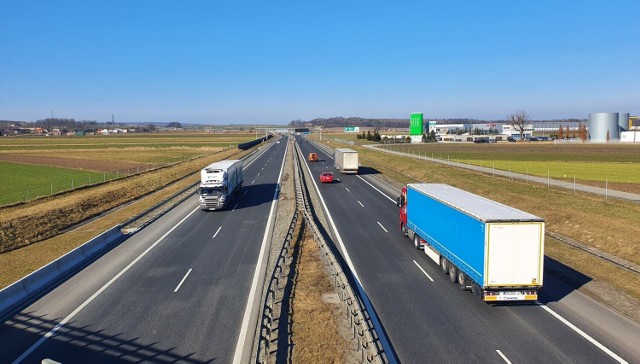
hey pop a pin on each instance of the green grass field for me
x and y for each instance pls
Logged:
(588, 162)
(21, 182)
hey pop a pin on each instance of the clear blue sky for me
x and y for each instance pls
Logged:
(216, 61)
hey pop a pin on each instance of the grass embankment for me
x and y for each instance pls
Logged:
(611, 226)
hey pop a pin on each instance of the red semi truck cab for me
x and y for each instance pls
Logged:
(402, 203)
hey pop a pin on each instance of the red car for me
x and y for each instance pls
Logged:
(326, 177)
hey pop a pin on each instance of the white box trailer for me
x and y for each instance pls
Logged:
(219, 183)
(346, 160)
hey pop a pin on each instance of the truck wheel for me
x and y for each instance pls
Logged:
(462, 280)
(416, 241)
(444, 265)
(403, 230)
(453, 273)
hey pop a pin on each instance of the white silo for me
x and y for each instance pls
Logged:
(603, 127)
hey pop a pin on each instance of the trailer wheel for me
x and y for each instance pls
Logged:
(475, 288)
(444, 265)
(462, 280)
(416, 241)
(453, 273)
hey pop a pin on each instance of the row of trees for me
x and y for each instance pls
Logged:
(375, 137)
(71, 125)
(583, 134)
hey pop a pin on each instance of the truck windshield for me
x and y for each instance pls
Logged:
(211, 191)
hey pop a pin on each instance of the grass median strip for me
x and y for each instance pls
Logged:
(316, 332)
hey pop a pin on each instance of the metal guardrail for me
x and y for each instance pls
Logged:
(278, 276)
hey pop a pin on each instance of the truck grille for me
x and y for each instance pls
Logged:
(212, 203)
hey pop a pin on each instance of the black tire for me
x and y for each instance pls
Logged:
(444, 265)
(453, 273)
(462, 280)
(416, 241)
(475, 288)
(404, 230)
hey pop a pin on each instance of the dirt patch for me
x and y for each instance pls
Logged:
(315, 333)
(71, 162)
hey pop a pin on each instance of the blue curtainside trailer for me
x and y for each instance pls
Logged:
(493, 249)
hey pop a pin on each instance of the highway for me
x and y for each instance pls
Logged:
(175, 291)
(429, 319)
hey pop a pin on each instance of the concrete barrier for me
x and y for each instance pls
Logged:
(11, 297)
(34, 284)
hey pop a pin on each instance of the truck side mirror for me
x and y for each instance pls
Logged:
(398, 202)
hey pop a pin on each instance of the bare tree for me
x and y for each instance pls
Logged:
(519, 121)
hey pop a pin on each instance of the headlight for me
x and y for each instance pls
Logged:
(222, 198)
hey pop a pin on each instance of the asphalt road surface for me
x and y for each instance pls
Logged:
(429, 319)
(175, 291)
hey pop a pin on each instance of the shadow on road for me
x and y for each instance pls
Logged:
(84, 344)
(364, 170)
(569, 278)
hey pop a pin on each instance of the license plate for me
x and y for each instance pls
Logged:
(510, 296)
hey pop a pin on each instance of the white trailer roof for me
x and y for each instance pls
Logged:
(345, 150)
(474, 205)
(221, 164)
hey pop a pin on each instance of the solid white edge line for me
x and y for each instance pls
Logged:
(98, 292)
(182, 281)
(365, 298)
(374, 187)
(360, 203)
(582, 333)
(503, 356)
(423, 271)
(244, 328)
(217, 231)
(385, 230)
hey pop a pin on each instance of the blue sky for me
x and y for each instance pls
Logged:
(222, 62)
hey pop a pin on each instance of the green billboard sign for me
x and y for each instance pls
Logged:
(416, 126)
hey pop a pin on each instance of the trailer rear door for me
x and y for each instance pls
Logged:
(515, 253)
